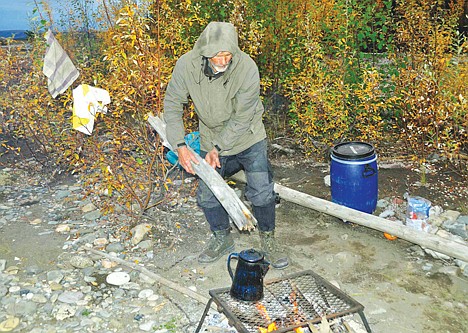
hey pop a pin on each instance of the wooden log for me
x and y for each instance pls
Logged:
(158, 278)
(281, 148)
(237, 210)
(448, 247)
(239, 213)
(160, 126)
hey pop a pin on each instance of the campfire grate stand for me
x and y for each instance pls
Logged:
(292, 301)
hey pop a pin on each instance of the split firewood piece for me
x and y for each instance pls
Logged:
(324, 325)
(348, 327)
(313, 329)
(239, 213)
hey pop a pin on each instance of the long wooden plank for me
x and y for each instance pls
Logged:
(239, 213)
(449, 247)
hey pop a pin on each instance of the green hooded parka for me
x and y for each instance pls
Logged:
(228, 107)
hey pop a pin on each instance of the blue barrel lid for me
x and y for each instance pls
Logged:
(251, 255)
(354, 150)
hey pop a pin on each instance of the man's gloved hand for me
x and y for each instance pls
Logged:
(186, 157)
(213, 158)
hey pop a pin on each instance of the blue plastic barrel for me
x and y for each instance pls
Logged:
(354, 176)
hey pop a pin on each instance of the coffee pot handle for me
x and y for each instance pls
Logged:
(235, 256)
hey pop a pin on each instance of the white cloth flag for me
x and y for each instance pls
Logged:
(58, 67)
(87, 101)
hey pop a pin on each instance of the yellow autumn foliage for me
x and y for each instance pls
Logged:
(331, 71)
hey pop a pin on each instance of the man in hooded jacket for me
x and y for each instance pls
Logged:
(224, 85)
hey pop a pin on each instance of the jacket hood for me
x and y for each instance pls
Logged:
(217, 37)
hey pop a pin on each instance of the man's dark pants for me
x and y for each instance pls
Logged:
(259, 188)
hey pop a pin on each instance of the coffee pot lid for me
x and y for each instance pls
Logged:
(251, 255)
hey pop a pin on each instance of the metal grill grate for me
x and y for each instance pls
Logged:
(292, 301)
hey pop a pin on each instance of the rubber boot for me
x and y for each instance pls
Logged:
(273, 252)
(221, 243)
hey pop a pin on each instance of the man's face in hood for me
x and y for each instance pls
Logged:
(220, 62)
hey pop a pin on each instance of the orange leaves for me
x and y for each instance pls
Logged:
(121, 162)
(319, 101)
(371, 103)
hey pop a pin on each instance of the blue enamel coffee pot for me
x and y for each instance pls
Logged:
(247, 282)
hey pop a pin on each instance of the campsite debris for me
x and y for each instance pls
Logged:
(417, 214)
(58, 67)
(87, 101)
(139, 232)
(446, 246)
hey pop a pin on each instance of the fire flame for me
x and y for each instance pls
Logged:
(272, 326)
(263, 312)
(293, 300)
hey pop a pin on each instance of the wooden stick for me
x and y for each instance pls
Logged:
(240, 214)
(446, 246)
(199, 298)
(281, 148)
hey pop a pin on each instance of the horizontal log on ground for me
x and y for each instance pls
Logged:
(446, 246)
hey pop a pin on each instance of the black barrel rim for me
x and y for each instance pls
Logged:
(355, 150)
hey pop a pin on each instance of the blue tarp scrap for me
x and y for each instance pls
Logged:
(192, 140)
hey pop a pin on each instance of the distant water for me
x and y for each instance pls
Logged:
(19, 34)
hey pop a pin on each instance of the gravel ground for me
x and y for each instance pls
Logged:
(49, 283)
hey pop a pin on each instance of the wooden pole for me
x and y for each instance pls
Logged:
(158, 278)
(448, 247)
